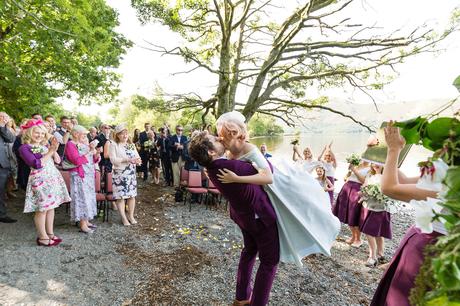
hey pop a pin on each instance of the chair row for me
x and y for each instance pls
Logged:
(192, 181)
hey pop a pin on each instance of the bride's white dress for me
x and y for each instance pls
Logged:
(306, 224)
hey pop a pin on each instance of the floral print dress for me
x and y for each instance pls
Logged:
(82, 190)
(124, 181)
(46, 188)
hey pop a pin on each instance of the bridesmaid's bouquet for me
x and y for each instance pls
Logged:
(354, 159)
(373, 199)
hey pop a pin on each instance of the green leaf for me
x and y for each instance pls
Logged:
(412, 129)
(452, 181)
(457, 83)
(439, 130)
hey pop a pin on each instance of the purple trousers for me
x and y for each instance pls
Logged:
(395, 285)
(263, 240)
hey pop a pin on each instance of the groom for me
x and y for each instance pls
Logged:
(252, 210)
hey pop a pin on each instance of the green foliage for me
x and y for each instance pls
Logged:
(67, 48)
(438, 282)
(88, 120)
(263, 125)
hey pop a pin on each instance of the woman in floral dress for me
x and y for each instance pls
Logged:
(46, 188)
(124, 157)
(83, 157)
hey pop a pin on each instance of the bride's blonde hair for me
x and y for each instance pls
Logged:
(231, 125)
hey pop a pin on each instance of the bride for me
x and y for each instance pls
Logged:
(306, 224)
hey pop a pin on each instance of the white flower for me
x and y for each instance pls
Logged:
(433, 181)
(424, 213)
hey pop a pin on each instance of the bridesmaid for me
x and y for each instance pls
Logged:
(329, 162)
(84, 157)
(46, 188)
(347, 207)
(375, 222)
(399, 278)
(124, 157)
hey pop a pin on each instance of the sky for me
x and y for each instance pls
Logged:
(426, 76)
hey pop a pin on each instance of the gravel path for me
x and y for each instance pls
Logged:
(172, 257)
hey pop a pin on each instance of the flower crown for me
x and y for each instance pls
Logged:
(31, 123)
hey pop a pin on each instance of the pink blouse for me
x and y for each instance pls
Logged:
(73, 156)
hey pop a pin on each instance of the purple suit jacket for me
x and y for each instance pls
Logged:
(246, 200)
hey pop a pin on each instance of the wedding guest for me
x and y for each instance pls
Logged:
(6, 137)
(329, 162)
(252, 211)
(263, 150)
(347, 207)
(154, 158)
(165, 156)
(52, 121)
(103, 137)
(323, 180)
(83, 157)
(73, 121)
(124, 158)
(23, 168)
(177, 143)
(46, 188)
(143, 152)
(92, 134)
(11, 181)
(62, 133)
(36, 116)
(399, 278)
(375, 221)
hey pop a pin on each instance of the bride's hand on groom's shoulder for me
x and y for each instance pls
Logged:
(227, 176)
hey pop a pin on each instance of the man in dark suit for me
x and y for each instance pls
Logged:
(252, 210)
(103, 137)
(6, 136)
(144, 153)
(177, 143)
(165, 156)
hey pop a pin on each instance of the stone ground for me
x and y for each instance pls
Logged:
(172, 257)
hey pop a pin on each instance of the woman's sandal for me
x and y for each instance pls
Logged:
(51, 242)
(55, 238)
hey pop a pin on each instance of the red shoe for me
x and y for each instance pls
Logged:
(51, 242)
(55, 238)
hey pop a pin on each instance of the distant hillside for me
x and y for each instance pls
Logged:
(324, 121)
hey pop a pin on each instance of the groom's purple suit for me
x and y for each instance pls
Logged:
(252, 210)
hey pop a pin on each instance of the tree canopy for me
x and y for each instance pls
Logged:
(57, 49)
(317, 45)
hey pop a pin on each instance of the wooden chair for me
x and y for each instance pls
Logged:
(194, 187)
(108, 192)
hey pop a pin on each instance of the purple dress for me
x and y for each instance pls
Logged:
(394, 288)
(375, 223)
(347, 207)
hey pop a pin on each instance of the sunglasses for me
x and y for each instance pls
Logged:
(179, 130)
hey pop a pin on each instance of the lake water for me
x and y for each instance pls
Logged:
(344, 144)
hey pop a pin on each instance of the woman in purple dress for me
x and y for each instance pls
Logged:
(375, 221)
(46, 188)
(399, 278)
(83, 157)
(347, 207)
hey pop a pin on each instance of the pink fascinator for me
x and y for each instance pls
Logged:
(31, 123)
